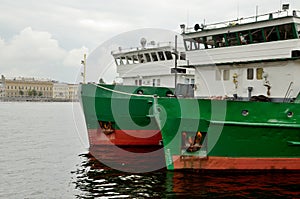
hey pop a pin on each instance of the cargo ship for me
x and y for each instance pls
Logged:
(118, 114)
(246, 111)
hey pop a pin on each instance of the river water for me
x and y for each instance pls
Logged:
(44, 155)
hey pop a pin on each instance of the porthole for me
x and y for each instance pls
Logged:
(169, 94)
(245, 112)
(140, 92)
(290, 114)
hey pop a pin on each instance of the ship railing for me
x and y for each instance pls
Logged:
(150, 46)
(245, 20)
(121, 92)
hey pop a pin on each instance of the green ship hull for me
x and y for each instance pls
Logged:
(234, 135)
(119, 115)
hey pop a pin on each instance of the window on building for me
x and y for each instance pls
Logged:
(226, 75)
(250, 72)
(158, 82)
(259, 73)
(192, 81)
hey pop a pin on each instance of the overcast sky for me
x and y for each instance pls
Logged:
(47, 38)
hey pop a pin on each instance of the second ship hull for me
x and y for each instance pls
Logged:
(234, 135)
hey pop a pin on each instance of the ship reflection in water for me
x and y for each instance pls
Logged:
(94, 179)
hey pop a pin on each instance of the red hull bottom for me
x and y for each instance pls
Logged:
(225, 163)
(125, 137)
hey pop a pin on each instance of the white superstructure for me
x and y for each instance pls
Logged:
(246, 57)
(153, 65)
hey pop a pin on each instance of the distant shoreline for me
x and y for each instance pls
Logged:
(36, 100)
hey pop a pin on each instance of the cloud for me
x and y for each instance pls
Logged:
(74, 57)
(36, 53)
(48, 38)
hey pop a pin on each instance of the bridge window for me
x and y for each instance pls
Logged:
(245, 37)
(219, 40)
(233, 39)
(182, 56)
(285, 31)
(141, 58)
(168, 55)
(123, 60)
(135, 59)
(154, 56)
(161, 56)
(259, 35)
(148, 59)
(129, 60)
(271, 33)
(209, 42)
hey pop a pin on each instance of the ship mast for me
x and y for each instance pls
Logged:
(83, 62)
(176, 57)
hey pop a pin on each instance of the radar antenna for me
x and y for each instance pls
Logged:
(143, 42)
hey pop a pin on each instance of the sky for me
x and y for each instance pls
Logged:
(47, 38)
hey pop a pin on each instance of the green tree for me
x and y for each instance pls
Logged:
(34, 93)
(40, 94)
(21, 93)
(30, 93)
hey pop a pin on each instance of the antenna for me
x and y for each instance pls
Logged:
(238, 9)
(256, 13)
(83, 62)
(143, 42)
(187, 18)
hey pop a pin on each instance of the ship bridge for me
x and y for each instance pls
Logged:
(251, 56)
(152, 65)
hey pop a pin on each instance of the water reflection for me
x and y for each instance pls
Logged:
(96, 180)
